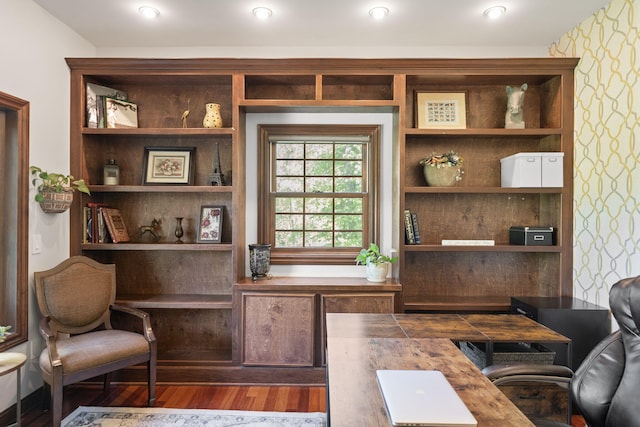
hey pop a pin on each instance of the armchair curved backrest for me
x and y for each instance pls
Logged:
(76, 299)
(74, 309)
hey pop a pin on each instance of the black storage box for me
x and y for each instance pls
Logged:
(532, 236)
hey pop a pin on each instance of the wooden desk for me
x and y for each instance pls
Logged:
(358, 344)
(355, 398)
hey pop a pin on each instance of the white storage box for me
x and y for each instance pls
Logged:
(531, 170)
(552, 170)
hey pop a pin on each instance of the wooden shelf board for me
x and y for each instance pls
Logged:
(495, 248)
(483, 190)
(161, 189)
(182, 301)
(159, 131)
(534, 132)
(209, 247)
(475, 304)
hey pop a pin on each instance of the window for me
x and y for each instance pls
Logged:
(318, 191)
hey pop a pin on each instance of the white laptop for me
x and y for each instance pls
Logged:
(422, 398)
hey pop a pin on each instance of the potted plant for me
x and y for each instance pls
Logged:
(375, 262)
(442, 170)
(55, 190)
(4, 333)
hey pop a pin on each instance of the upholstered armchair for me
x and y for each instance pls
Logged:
(76, 299)
(605, 386)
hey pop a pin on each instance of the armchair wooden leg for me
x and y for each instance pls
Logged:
(107, 382)
(151, 375)
(56, 403)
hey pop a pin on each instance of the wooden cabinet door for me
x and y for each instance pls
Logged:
(352, 303)
(278, 329)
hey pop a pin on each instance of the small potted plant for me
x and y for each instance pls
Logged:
(55, 190)
(442, 170)
(4, 333)
(376, 264)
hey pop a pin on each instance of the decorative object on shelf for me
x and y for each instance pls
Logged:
(514, 118)
(376, 264)
(4, 333)
(179, 231)
(111, 173)
(442, 170)
(121, 114)
(168, 165)
(440, 110)
(260, 260)
(216, 177)
(212, 118)
(96, 96)
(55, 190)
(210, 230)
(153, 230)
(184, 116)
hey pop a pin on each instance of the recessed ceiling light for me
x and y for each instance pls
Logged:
(262, 12)
(379, 12)
(495, 12)
(149, 12)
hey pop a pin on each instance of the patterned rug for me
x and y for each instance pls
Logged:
(88, 416)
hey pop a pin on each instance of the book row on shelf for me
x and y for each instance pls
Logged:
(103, 224)
(412, 228)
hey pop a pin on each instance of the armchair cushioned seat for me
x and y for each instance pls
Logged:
(91, 351)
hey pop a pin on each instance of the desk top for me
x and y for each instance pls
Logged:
(456, 327)
(355, 398)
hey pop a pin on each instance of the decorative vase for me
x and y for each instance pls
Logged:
(441, 177)
(179, 232)
(259, 260)
(212, 118)
(56, 202)
(376, 272)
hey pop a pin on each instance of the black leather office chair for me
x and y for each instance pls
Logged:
(605, 386)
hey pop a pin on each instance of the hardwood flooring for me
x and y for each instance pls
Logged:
(249, 398)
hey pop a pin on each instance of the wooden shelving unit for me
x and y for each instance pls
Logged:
(190, 289)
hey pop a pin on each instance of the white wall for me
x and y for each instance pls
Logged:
(33, 46)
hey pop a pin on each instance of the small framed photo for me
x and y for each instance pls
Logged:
(440, 110)
(121, 114)
(210, 228)
(167, 165)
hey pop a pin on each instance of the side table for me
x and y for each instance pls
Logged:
(10, 362)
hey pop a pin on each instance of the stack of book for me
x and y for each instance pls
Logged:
(103, 224)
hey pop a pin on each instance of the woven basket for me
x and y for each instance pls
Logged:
(507, 353)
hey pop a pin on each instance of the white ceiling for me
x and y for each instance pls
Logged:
(116, 23)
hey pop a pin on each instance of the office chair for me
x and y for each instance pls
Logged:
(604, 387)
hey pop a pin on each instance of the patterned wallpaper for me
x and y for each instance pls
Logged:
(607, 148)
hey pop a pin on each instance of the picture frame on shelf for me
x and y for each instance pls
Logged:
(210, 224)
(120, 113)
(441, 110)
(168, 165)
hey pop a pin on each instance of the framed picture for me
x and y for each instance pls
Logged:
(121, 114)
(440, 110)
(167, 165)
(210, 227)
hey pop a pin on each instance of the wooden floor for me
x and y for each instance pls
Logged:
(250, 398)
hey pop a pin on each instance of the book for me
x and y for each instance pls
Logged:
(409, 236)
(115, 225)
(94, 220)
(469, 242)
(416, 228)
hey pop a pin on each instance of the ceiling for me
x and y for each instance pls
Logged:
(182, 23)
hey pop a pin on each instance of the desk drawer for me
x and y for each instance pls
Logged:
(538, 401)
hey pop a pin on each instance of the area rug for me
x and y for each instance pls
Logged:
(88, 416)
